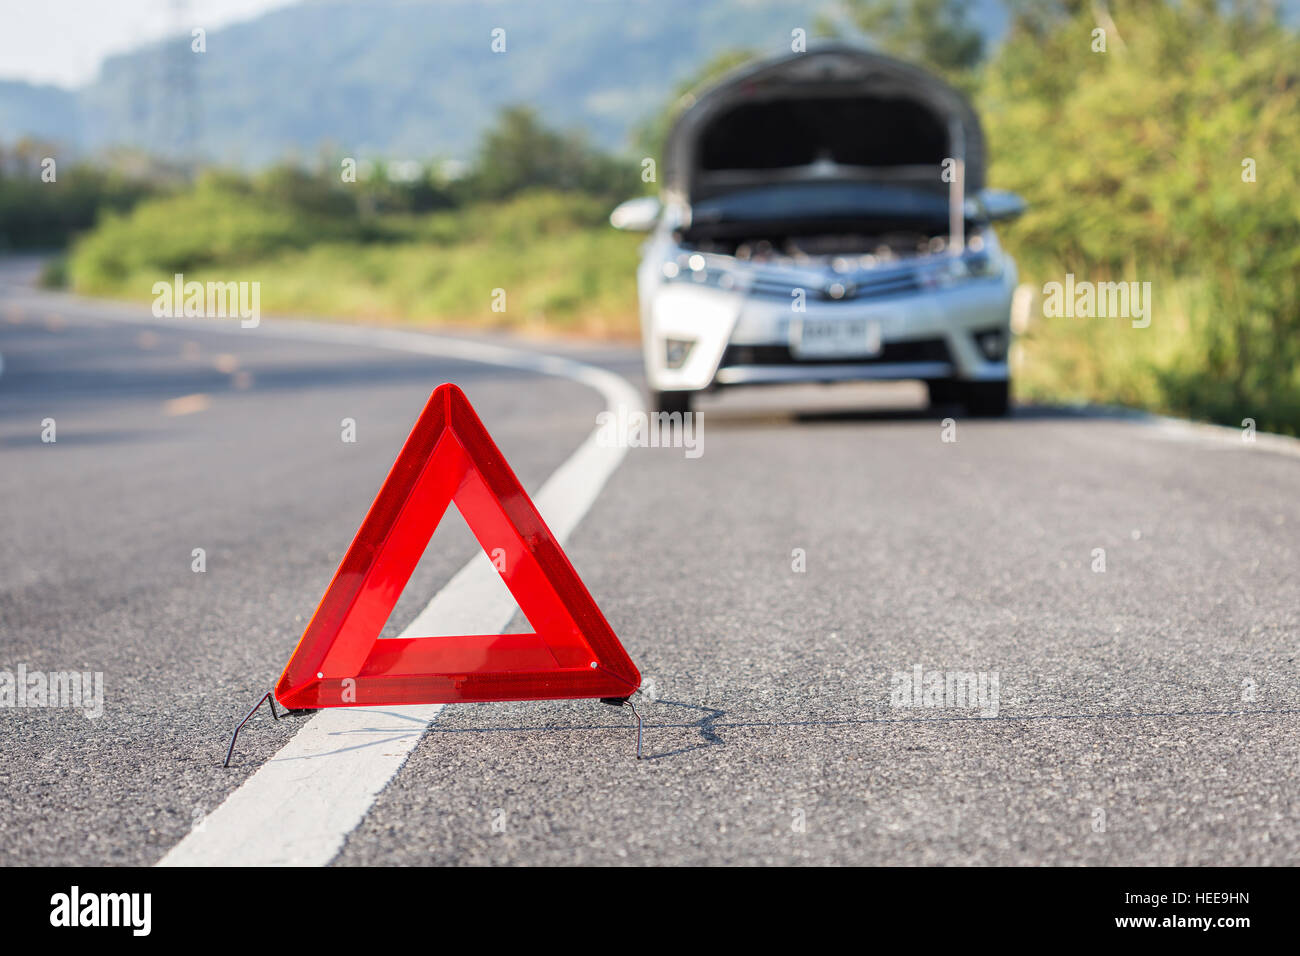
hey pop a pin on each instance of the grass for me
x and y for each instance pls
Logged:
(561, 267)
(1175, 366)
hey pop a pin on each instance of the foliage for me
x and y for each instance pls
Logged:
(519, 153)
(40, 214)
(1132, 161)
(937, 34)
(561, 265)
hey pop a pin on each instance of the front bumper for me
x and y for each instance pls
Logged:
(777, 364)
(697, 337)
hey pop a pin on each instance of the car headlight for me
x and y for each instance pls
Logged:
(695, 268)
(969, 265)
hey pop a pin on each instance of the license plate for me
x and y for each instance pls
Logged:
(835, 338)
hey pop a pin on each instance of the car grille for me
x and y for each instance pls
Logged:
(896, 283)
(920, 350)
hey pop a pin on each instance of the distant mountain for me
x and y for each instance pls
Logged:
(44, 112)
(403, 79)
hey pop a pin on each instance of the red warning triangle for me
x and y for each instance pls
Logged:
(341, 660)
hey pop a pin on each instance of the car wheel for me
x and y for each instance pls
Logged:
(669, 402)
(987, 399)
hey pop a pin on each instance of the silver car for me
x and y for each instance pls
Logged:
(823, 218)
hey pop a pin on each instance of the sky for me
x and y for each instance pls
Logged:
(64, 41)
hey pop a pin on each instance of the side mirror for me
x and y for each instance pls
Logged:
(636, 215)
(999, 204)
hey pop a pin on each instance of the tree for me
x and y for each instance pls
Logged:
(519, 153)
(936, 34)
(1169, 158)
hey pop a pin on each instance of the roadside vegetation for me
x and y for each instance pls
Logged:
(561, 266)
(36, 214)
(1170, 157)
(530, 217)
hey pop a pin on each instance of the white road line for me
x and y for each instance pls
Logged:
(1225, 436)
(299, 806)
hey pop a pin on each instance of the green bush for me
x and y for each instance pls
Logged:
(1132, 161)
(554, 254)
(223, 220)
(35, 214)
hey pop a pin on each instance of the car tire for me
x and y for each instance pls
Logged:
(670, 402)
(986, 399)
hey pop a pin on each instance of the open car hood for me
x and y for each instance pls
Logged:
(834, 114)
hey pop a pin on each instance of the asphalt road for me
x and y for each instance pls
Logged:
(1147, 714)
